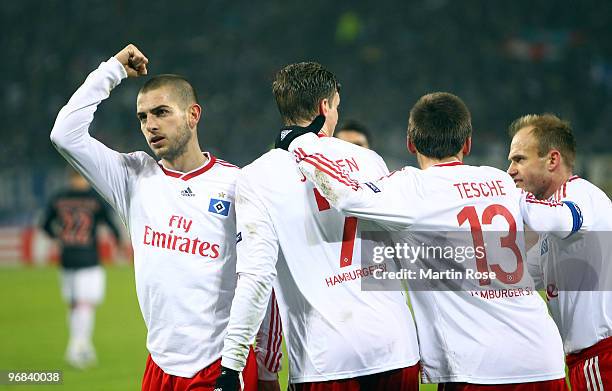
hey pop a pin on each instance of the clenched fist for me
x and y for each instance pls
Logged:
(132, 59)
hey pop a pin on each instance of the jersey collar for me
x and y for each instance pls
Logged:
(448, 164)
(562, 190)
(193, 173)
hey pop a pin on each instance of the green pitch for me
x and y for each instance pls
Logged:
(33, 332)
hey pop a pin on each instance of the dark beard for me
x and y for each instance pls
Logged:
(178, 147)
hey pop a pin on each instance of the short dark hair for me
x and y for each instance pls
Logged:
(357, 126)
(298, 89)
(184, 91)
(439, 125)
(551, 132)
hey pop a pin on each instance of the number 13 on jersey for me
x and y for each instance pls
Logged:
(470, 215)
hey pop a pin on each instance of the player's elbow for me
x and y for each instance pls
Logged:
(59, 132)
(57, 137)
(54, 139)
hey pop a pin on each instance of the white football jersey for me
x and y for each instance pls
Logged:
(498, 334)
(333, 330)
(268, 343)
(182, 227)
(577, 272)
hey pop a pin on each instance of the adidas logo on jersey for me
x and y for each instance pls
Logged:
(284, 134)
(187, 192)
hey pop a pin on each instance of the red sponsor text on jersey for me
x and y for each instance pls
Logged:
(173, 241)
(480, 189)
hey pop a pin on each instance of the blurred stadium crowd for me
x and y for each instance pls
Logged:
(505, 59)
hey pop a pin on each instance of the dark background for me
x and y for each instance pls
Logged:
(505, 59)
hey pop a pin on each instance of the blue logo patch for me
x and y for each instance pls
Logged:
(239, 237)
(219, 207)
(372, 187)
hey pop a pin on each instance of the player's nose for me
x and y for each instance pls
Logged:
(152, 125)
(512, 171)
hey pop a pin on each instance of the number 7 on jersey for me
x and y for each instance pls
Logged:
(348, 234)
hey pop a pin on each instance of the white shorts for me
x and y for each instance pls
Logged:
(83, 285)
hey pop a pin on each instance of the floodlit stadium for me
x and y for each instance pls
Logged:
(504, 60)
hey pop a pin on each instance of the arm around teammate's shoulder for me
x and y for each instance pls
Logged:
(385, 201)
(561, 219)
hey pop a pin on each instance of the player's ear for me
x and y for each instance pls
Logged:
(193, 115)
(553, 159)
(410, 145)
(324, 107)
(467, 146)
